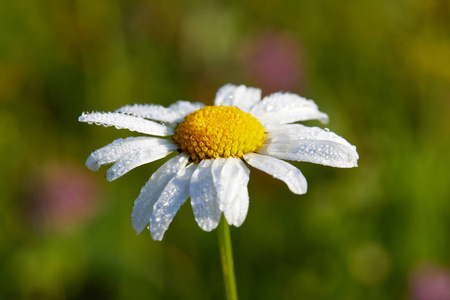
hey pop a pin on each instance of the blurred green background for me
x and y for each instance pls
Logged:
(380, 69)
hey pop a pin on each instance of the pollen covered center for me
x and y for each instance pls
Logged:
(219, 131)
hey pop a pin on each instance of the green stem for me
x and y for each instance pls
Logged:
(226, 255)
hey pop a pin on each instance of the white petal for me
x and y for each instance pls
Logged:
(118, 148)
(280, 170)
(291, 132)
(139, 157)
(204, 197)
(172, 114)
(151, 111)
(286, 108)
(172, 197)
(317, 146)
(230, 176)
(241, 96)
(150, 192)
(120, 120)
(186, 107)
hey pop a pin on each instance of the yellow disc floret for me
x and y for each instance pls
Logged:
(219, 131)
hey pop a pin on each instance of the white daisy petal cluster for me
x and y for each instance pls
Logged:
(216, 183)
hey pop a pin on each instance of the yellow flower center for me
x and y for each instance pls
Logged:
(219, 131)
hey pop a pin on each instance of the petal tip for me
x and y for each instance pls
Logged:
(325, 119)
(138, 229)
(207, 224)
(156, 236)
(92, 164)
(110, 176)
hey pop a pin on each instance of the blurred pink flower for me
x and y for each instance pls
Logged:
(63, 196)
(274, 61)
(430, 282)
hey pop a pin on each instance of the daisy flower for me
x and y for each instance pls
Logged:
(214, 144)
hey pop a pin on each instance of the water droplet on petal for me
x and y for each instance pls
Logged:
(269, 107)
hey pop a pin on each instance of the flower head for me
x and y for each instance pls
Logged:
(213, 142)
(62, 196)
(274, 60)
(429, 282)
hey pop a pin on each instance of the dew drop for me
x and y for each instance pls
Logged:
(269, 107)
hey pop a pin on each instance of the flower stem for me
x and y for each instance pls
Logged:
(226, 255)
